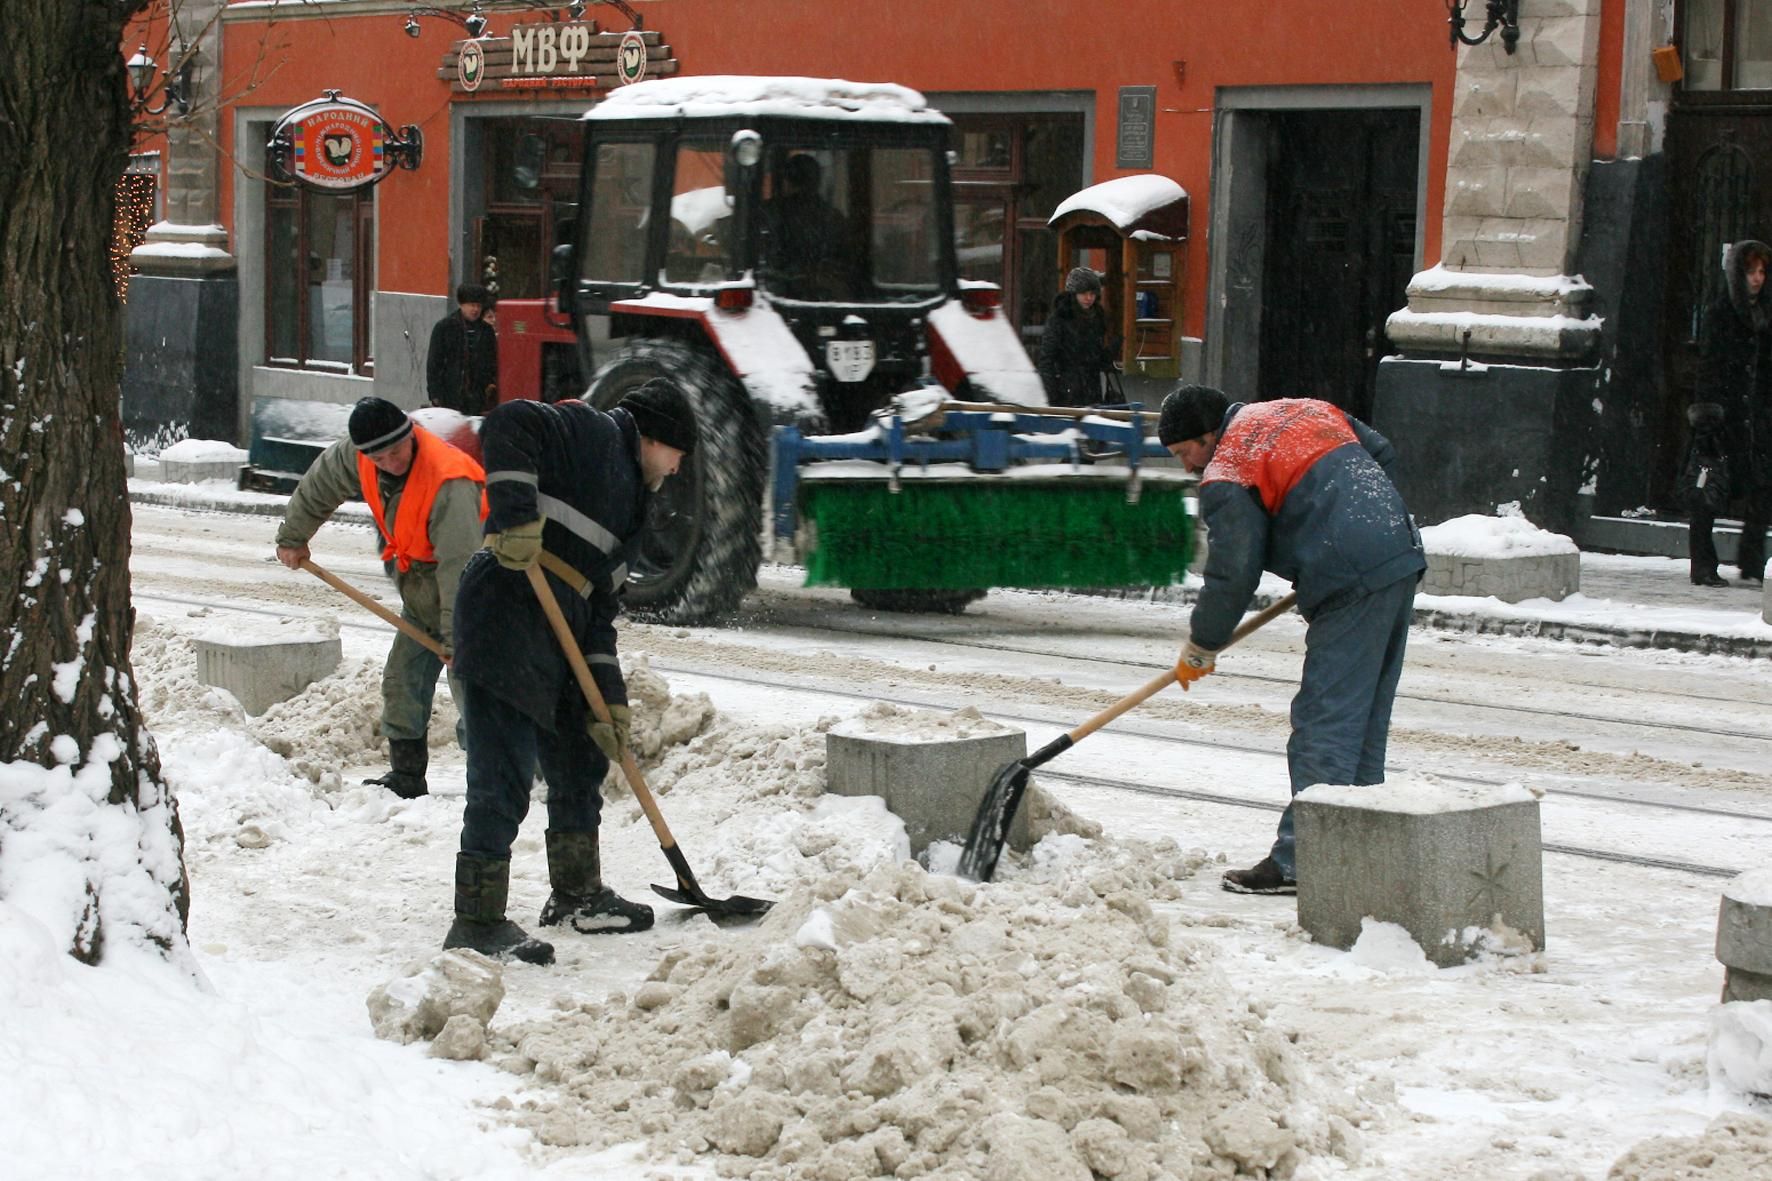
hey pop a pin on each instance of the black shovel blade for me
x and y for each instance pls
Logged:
(990, 825)
(688, 892)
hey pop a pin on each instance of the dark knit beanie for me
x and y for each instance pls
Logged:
(377, 424)
(1082, 279)
(473, 293)
(662, 412)
(1189, 412)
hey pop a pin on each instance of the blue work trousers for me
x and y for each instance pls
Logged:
(1341, 716)
(504, 746)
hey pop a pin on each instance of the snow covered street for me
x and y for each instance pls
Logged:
(693, 1051)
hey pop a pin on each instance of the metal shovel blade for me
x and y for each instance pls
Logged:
(990, 824)
(688, 892)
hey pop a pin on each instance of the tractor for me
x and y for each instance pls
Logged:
(783, 249)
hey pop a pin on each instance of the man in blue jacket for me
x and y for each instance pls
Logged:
(1299, 487)
(568, 487)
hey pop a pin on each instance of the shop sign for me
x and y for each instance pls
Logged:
(557, 55)
(339, 144)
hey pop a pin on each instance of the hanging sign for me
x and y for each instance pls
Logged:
(339, 144)
(556, 55)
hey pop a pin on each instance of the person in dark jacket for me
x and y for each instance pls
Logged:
(568, 487)
(461, 365)
(1303, 489)
(1735, 382)
(1072, 353)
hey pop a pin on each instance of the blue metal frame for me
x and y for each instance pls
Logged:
(984, 441)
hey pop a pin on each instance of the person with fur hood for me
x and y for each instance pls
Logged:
(1072, 354)
(1729, 457)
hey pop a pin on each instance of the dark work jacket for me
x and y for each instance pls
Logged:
(461, 364)
(580, 469)
(1337, 532)
(1735, 367)
(1072, 355)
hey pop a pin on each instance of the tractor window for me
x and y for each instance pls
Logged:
(621, 197)
(907, 242)
(700, 217)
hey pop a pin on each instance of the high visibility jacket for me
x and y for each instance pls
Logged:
(433, 462)
(1299, 488)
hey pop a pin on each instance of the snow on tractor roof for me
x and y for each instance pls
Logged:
(716, 95)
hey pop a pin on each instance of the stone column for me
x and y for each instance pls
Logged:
(179, 377)
(1498, 346)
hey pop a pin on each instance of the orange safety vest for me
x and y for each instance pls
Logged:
(1270, 445)
(433, 461)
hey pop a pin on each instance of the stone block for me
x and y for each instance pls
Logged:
(1485, 96)
(932, 769)
(1547, 193)
(262, 664)
(1744, 937)
(1562, 41)
(1510, 579)
(1556, 92)
(1476, 192)
(1460, 868)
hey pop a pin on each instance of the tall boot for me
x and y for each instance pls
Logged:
(482, 886)
(579, 897)
(409, 758)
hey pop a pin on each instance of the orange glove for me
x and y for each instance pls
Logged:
(1194, 663)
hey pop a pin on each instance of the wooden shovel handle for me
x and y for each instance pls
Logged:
(550, 606)
(1156, 684)
(363, 600)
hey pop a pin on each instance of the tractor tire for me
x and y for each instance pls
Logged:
(703, 542)
(917, 602)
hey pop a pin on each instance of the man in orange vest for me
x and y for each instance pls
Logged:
(428, 503)
(1302, 488)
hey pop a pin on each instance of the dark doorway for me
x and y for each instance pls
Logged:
(1340, 229)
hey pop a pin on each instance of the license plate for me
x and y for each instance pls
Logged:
(849, 360)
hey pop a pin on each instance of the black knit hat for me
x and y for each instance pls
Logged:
(473, 293)
(1189, 412)
(377, 424)
(662, 412)
(1082, 279)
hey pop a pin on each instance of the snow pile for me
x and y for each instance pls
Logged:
(1739, 1057)
(885, 722)
(913, 1025)
(202, 451)
(734, 95)
(1736, 1147)
(1478, 536)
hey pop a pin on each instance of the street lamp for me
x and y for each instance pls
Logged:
(1502, 14)
(180, 88)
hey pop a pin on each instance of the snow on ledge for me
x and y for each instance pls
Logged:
(1437, 279)
(1478, 536)
(1418, 796)
(1123, 200)
(1753, 888)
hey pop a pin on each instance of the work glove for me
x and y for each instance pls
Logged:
(611, 737)
(1195, 662)
(518, 546)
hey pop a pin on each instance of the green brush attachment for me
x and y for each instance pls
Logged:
(941, 534)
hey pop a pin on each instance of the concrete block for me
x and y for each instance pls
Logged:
(196, 460)
(1744, 937)
(1450, 865)
(932, 769)
(262, 664)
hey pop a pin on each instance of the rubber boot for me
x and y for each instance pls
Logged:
(409, 757)
(482, 886)
(579, 898)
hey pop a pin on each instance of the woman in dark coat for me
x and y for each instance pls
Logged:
(1735, 384)
(1072, 355)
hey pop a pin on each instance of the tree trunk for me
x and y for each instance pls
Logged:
(90, 843)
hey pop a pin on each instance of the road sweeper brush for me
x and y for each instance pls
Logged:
(944, 496)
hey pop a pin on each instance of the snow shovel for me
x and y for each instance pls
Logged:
(336, 583)
(688, 892)
(996, 811)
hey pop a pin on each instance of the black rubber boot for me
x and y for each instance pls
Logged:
(482, 885)
(579, 898)
(409, 757)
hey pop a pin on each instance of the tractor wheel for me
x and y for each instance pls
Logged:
(702, 545)
(920, 602)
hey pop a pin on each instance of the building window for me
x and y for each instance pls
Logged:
(1726, 44)
(319, 272)
(530, 197)
(1010, 173)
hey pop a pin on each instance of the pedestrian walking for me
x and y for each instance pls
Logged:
(1073, 352)
(461, 365)
(1301, 488)
(425, 496)
(1735, 384)
(569, 487)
